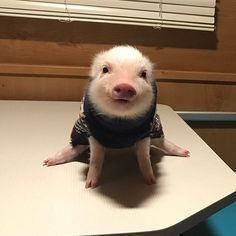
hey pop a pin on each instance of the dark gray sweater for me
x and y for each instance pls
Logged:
(115, 132)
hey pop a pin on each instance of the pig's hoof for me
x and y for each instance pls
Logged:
(177, 151)
(185, 153)
(92, 177)
(91, 183)
(150, 179)
(52, 162)
(181, 152)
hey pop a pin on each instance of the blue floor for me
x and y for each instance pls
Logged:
(222, 223)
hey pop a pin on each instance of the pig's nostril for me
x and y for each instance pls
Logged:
(131, 92)
(117, 90)
(124, 91)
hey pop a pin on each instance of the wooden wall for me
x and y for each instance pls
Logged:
(49, 60)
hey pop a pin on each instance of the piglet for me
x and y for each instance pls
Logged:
(118, 111)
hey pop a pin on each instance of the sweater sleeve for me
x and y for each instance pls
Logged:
(156, 127)
(80, 131)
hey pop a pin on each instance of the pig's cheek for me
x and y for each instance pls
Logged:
(107, 89)
(145, 89)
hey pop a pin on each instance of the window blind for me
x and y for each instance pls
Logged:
(184, 14)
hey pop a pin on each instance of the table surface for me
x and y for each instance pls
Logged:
(38, 200)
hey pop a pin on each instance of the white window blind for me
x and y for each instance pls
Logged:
(185, 14)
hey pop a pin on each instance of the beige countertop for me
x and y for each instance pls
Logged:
(52, 201)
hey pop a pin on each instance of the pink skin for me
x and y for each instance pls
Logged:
(121, 93)
(169, 148)
(121, 75)
(67, 154)
(98, 152)
(143, 155)
(144, 161)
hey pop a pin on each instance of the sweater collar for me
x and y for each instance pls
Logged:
(119, 125)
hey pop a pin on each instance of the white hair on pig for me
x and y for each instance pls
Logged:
(119, 111)
(121, 83)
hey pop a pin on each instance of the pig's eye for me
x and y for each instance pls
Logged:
(143, 74)
(105, 70)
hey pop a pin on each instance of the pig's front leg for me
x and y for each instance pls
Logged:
(97, 153)
(144, 161)
(65, 155)
(169, 148)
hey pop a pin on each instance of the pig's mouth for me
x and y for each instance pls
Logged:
(121, 100)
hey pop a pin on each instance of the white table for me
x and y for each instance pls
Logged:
(52, 201)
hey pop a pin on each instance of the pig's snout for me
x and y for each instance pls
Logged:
(123, 92)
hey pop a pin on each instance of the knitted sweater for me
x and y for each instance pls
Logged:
(115, 132)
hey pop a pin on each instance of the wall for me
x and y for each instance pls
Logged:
(49, 60)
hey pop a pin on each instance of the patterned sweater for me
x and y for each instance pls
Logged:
(114, 132)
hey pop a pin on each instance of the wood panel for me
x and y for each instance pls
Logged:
(82, 71)
(194, 96)
(180, 95)
(43, 88)
(50, 42)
